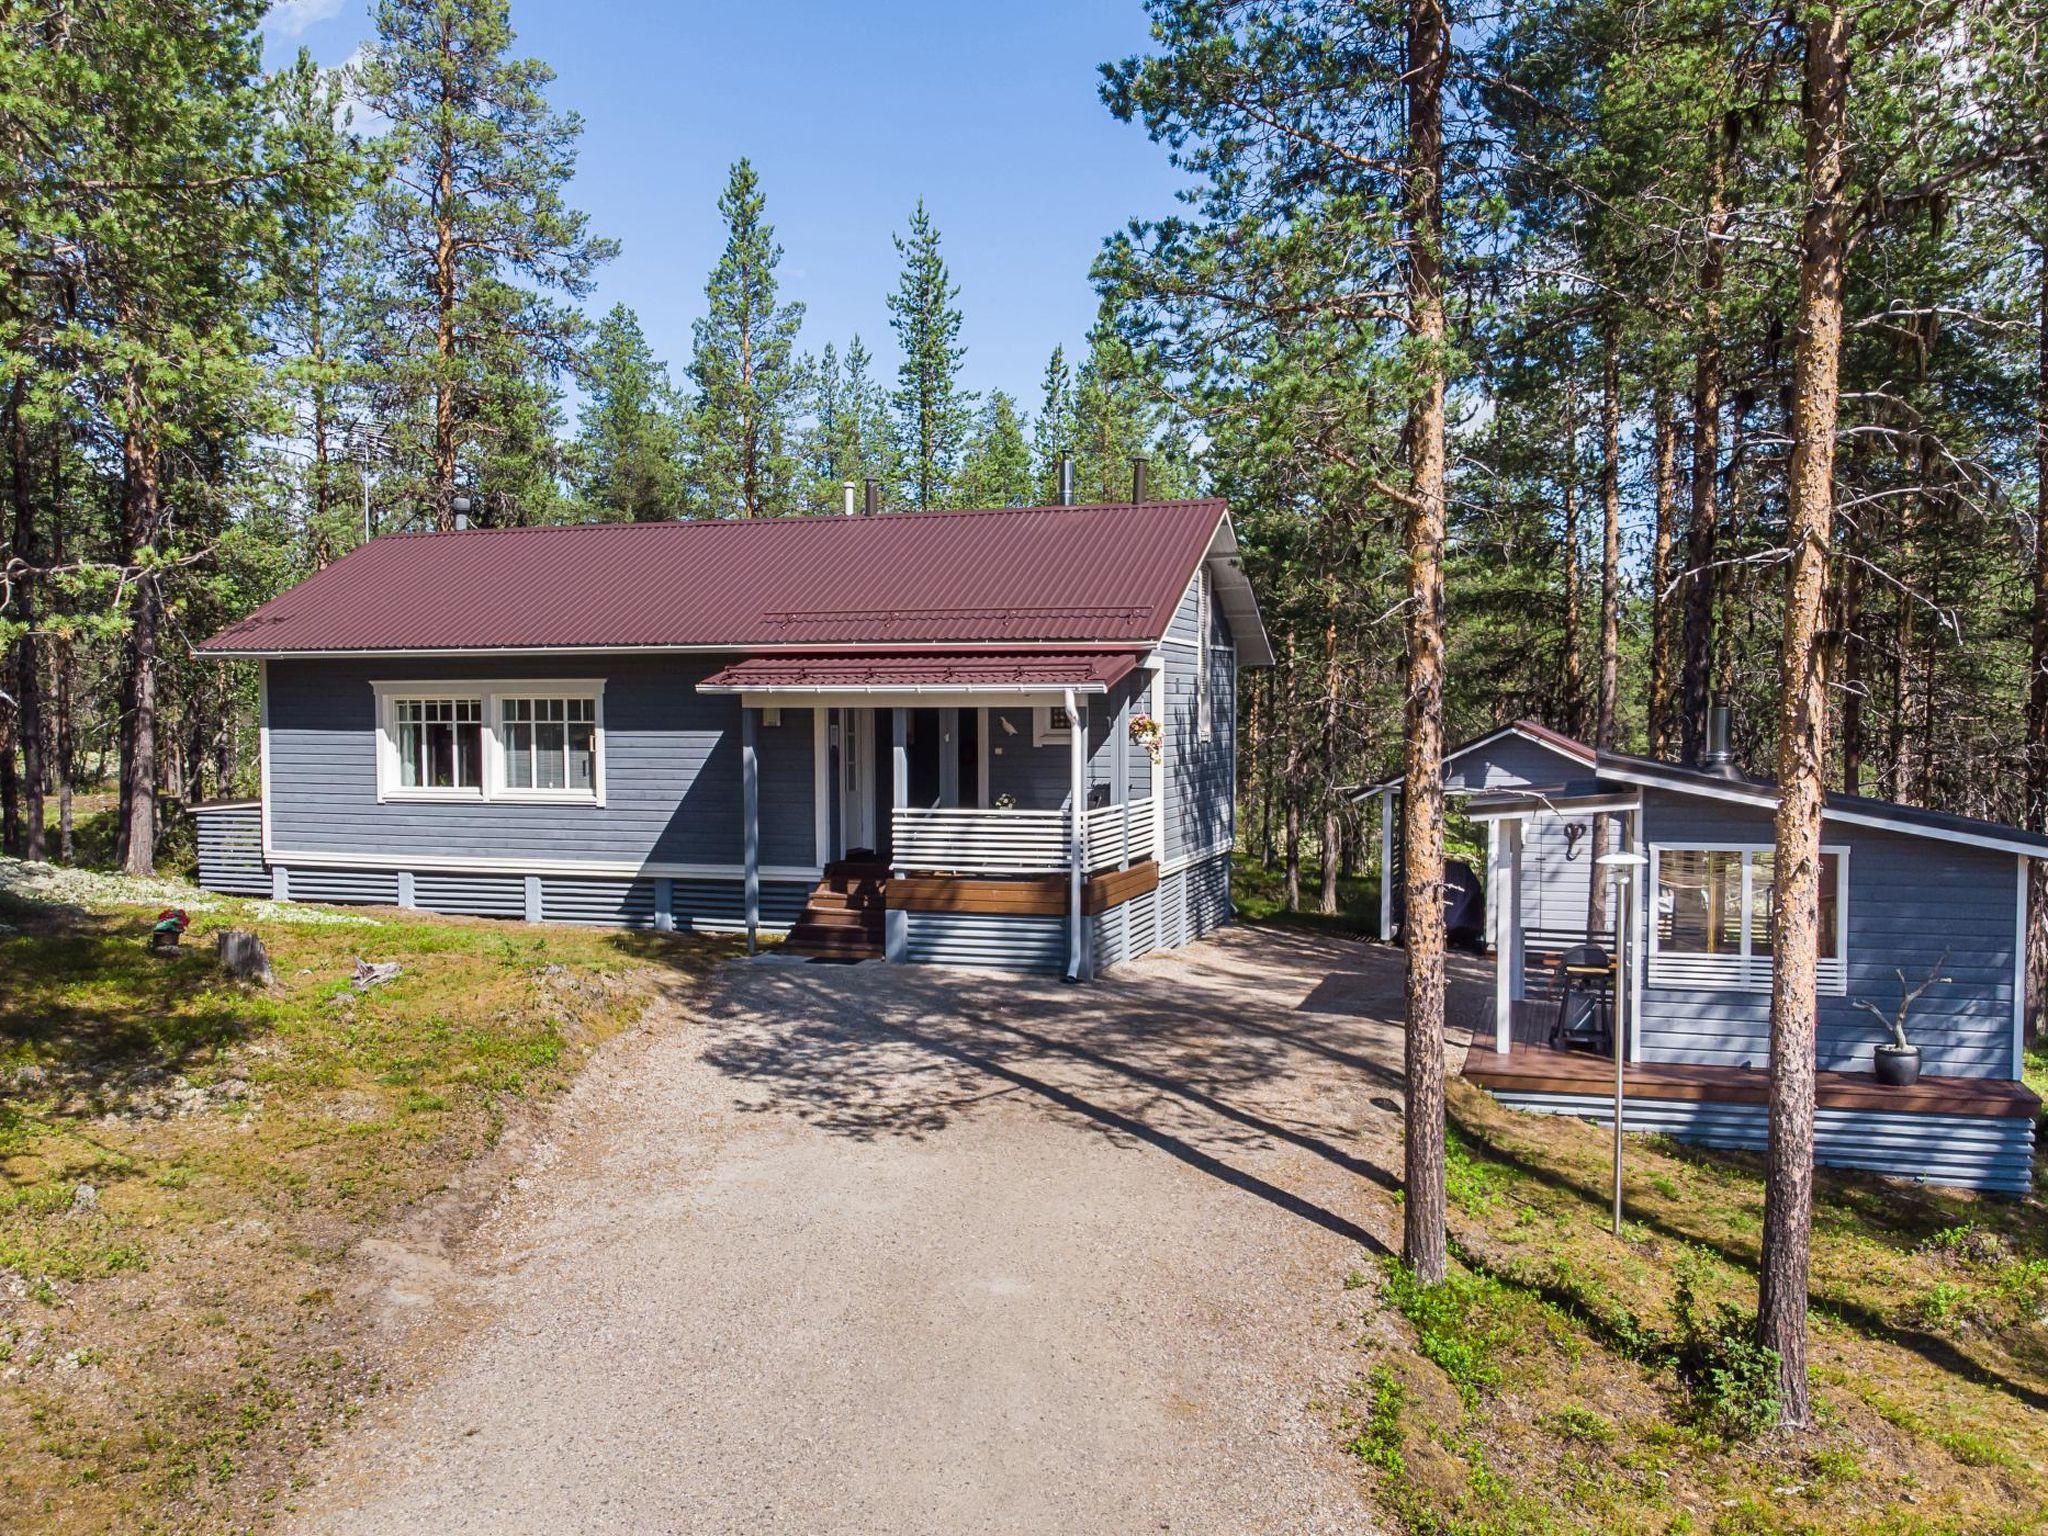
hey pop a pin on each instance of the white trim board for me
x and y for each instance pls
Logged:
(1762, 799)
(460, 864)
(950, 696)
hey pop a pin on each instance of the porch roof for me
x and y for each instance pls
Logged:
(929, 672)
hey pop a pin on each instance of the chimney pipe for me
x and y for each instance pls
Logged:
(1720, 759)
(1066, 482)
(874, 498)
(848, 488)
(1137, 480)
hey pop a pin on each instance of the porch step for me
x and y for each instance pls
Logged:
(844, 916)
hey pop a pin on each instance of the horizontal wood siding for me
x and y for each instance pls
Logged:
(672, 770)
(613, 903)
(471, 895)
(1201, 776)
(1037, 944)
(1968, 1152)
(1039, 778)
(1515, 762)
(720, 906)
(231, 851)
(1125, 932)
(1910, 901)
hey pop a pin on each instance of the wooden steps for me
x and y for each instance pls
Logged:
(843, 917)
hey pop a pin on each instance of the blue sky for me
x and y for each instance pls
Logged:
(850, 112)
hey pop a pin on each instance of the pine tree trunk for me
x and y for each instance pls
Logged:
(139, 655)
(28, 663)
(1293, 852)
(1332, 682)
(1574, 598)
(2037, 691)
(1606, 698)
(1665, 432)
(1706, 462)
(1802, 718)
(1849, 651)
(1423, 1239)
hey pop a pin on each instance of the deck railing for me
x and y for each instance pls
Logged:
(1014, 842)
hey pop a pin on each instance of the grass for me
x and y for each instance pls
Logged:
(188, 1165)
(1562, 1380)
(1260, 895)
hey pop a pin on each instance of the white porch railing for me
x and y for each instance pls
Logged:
(1013, 842)
(1119, 833)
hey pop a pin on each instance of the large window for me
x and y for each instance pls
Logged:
(440, 743)
(550, 743)
(491, 741)
(1712, 925)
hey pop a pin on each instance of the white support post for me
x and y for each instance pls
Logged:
(1157, 709)
(1386, 866)
(1500, 912)
(1638, 933)
(1120, 759)
(1077, 823)
(1517, 970)
(750, 821)
(895, 923)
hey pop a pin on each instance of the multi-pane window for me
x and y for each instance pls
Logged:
(1712, 925)
(440, 743)
(1050, 723)
(550, 743)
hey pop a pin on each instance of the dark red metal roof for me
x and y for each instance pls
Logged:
(1092, 671)
(1011, 577)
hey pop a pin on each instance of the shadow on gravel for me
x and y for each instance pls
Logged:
(1233, 1056)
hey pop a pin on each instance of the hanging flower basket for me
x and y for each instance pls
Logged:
(1146, 733)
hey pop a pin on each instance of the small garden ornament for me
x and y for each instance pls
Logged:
(1898, 1060)
(168, 930)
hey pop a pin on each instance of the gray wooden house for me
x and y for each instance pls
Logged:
(1903, 890)
(1001, 737)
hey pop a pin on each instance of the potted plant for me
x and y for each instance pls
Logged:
(1898, 1059)
(1146, 732)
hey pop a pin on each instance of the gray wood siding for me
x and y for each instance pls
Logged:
(1910, 900)
(231, 851)
(1038, 778)
(1201, 777)
(1967, 1151)
(1037, 944)
(672, 770)
(1556, 880)
(1513, 762)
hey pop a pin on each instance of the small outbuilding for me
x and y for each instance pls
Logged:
(1910, 898)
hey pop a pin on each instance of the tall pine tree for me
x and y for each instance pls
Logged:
(475, 240)
(749, 379)
(627, 461)
(996, 469)
(933, 414)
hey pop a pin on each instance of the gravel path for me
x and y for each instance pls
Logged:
(896, 1249)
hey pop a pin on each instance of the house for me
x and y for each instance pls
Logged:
(1907, 895)
(925, 736)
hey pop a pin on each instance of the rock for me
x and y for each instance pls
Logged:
(370, 975)
(84, 1200)
(243, 957)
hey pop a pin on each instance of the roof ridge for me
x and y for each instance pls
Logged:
(798, 518)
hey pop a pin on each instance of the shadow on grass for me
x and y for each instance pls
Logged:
(1930, 1347)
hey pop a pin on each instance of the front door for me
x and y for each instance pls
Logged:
(857, 780)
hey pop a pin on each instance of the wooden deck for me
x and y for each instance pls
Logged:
(1543, 1069)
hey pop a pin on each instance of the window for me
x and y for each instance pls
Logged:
(1205, 713)
(1051, 725)
(550, 743)
(1712, 924)
(440, 743)
(487, 741)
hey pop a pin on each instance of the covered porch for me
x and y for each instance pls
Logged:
(998, 795)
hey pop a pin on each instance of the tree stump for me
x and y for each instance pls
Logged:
(243, 957)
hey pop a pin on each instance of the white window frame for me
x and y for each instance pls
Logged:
(491, 695)
(1744, 971)
(1205, 706)
(1043, 732)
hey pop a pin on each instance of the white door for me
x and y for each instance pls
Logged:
(856, 779)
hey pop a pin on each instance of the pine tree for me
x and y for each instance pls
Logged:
(627, 458)
(473, 236)
(996, 469)
(849, 437)
(748, 376)
(933, 414)
(1052, 435)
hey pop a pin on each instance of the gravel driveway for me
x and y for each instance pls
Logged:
(904, 1249)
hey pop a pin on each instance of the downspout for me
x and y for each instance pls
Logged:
(1077, 736)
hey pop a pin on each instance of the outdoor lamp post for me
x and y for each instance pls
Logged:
(1623, 866)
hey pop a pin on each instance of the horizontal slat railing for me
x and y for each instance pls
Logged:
(1005, 842)
(1120, 834)
(1734, 973)
(982, 842)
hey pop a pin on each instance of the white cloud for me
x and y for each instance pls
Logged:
(290, 18)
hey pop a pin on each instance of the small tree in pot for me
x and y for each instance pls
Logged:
(1898, 1060)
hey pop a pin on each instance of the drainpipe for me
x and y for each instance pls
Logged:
(1077, 822)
